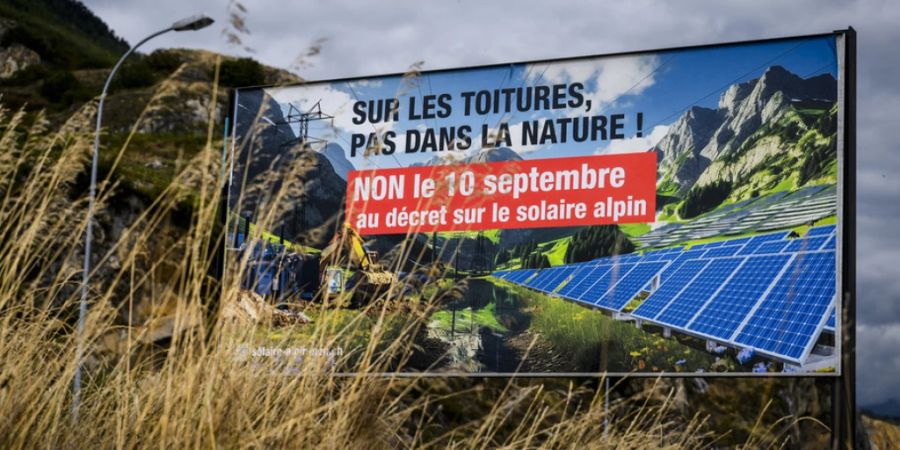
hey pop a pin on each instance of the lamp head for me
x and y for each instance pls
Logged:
(192, 23)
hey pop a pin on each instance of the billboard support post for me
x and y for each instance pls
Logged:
(844, 414)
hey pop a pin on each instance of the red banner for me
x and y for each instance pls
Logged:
(557, 192)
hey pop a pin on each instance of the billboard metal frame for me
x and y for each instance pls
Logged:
(844, 419)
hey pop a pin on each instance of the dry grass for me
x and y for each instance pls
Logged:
(200, 389)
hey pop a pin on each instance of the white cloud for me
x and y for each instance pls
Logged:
(636, 144)
(605, 80)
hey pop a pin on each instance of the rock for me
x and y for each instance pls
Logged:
(155, 164)
(336, 156)
(250, 307)
(498, 154)
(679, 149)
(16, 58)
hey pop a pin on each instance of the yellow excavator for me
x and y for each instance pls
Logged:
(349, 266)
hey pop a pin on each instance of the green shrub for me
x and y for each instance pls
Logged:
(164, 60)
(701, 199)
(502, 257)
(597, 241)
(536, 260)
(241, 72)
(57, 84)
(135, 73)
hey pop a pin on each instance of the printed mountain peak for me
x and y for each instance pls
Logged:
(705, 145)
(496, 154)
(338, 159)
(273, 157)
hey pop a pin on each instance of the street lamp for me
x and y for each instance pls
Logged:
(187, 24)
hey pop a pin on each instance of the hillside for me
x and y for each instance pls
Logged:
(881, 433)
(65, 33)
(55, 56)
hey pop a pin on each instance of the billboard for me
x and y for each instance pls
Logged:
(677, 211)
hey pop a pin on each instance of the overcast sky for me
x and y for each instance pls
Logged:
(364, 38)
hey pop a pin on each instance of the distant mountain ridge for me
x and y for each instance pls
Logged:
(496, 154)
(889, 408)
(727, 143)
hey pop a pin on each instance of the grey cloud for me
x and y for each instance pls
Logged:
(877, 363)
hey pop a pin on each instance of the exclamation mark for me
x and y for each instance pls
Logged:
(640, 124)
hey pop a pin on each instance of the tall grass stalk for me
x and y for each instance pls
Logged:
(201, 386)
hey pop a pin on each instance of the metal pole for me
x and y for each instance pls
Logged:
(92, 194)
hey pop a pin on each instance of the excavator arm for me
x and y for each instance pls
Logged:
(359, 251)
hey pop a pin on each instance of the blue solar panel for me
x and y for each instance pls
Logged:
(787, 320)
(670, 288)
(670, 255)
(719, 252)
(689, 301)
(630, 285)
(778, 236)
(704, 246)
(582, 281)
(758, 240)
(659, 255)
(522, 276)
(770, 247)
(612, 276)
(548, 276)
(654, 255)
(559, 274)
(682, 257)
(825, 230)
(539, 278)
(830, 323)
(581, 270)
(738, 241)
(831, 244)
(543, 276)
(628, 257)
(721, 317)
(806, 244)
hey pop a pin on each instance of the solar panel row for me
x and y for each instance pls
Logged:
(790, 315)
(596, 290)
(765, 292)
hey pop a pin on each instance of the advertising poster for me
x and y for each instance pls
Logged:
(663, 212)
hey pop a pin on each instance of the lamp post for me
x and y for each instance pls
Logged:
(187, 24)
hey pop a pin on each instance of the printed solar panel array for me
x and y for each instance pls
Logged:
(768, 292)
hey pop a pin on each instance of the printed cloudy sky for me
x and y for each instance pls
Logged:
(363, 37)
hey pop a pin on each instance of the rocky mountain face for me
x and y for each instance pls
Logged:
(705, 145)
(14, 57)
(498, 154)
(336, 156)
(271, 160)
